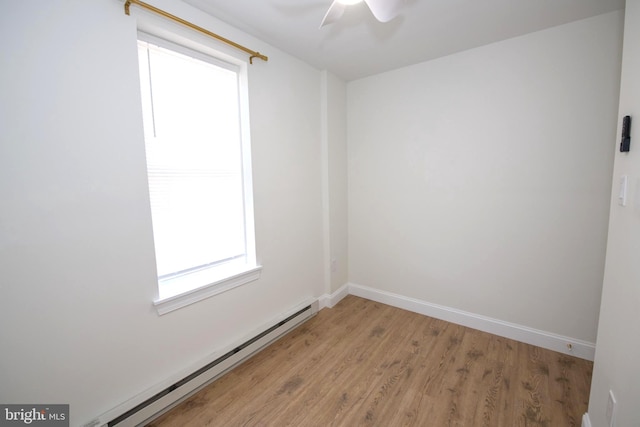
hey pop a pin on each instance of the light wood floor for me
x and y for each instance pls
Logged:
(362, 363)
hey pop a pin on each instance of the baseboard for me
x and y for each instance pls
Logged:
(330, 300)
(586, 421)
(559, 343)
(165, 395)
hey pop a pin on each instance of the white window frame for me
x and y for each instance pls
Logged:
(180, 291)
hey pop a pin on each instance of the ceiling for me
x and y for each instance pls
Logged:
(358, 46)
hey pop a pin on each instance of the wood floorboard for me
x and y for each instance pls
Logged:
(363, 363)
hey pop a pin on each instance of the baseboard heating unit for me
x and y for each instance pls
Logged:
(148, 408)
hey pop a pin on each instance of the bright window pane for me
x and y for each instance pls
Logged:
(194, 159)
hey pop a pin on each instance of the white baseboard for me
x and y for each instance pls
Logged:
(586, 421)
(574, 347)
(170, 400)
(330, 300)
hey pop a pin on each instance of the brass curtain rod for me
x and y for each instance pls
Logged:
(252, 53)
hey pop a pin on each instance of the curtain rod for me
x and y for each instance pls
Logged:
(252, 53)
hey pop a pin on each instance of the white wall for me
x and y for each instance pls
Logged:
(334, 104)
(481, 181)
(76, 254)
(618, 352)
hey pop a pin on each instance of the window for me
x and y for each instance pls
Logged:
(199, 172)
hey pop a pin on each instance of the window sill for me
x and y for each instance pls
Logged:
(182, 291)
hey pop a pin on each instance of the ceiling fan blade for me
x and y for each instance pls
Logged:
(384, 10)
(333, 14)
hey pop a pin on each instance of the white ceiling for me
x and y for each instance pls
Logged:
(359, 46)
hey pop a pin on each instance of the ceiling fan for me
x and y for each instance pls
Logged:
(383, 10)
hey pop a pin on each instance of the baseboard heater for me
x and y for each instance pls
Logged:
(171, 396)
